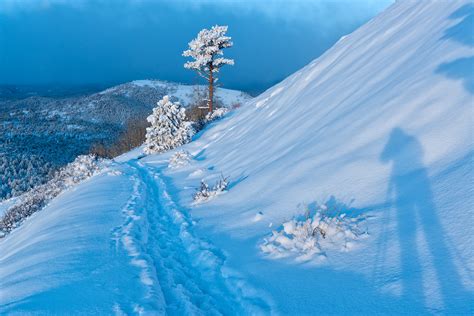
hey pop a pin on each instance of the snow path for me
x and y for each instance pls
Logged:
(121, 240)
(179, 273)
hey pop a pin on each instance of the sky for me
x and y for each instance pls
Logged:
(106, 42)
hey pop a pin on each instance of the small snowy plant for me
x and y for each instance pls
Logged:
(204, 193)
(217, 114)
(312, 235)
(80, 169)
(169, 128)
(179, 159)
(205, 50)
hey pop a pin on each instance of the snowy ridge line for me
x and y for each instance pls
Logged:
(191, 271)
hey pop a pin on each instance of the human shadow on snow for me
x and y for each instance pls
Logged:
(410, 193)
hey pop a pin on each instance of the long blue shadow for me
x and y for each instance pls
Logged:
(410, 192)
(460, 69)
(462, 32)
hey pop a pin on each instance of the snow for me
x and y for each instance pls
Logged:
(381, 123)
(380, 119)
(184, 93)
(149, 83)
(179, 159)
(143, 258)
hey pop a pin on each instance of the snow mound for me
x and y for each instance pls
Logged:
(179, 159)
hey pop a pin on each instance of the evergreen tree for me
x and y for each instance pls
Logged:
(169, 128)
(205, 49)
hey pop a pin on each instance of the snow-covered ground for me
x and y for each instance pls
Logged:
(380, 126)
(184, 93)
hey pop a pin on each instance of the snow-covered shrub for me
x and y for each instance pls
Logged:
(216, 114)
(169, 128)
(204, 193)
(34, 200)
(179, 159)
(312, 235)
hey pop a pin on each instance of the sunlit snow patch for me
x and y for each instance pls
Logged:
(196, 173)
(180, 159)
(258, 217)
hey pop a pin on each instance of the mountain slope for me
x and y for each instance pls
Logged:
(380, 124)
(383, 120)
(42, 134)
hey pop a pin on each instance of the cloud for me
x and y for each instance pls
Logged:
(280, 10)
(112, 41)
(16, 6)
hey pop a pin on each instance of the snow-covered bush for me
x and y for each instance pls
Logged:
(216, 114)
(312, 235)
(169, 128)
(34, 200)
(204, 193)
(179, 159)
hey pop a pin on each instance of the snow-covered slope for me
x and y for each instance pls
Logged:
(184, 93)
(382, 121)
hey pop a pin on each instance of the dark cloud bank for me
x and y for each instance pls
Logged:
(109, 42)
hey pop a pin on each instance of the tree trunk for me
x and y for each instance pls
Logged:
(211, 89)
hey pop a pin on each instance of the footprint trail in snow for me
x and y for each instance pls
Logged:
(178, 272)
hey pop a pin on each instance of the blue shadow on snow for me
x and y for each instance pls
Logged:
(462, 32)
(410, 193)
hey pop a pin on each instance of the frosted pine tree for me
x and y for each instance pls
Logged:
(169, 128)
(205, 49)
